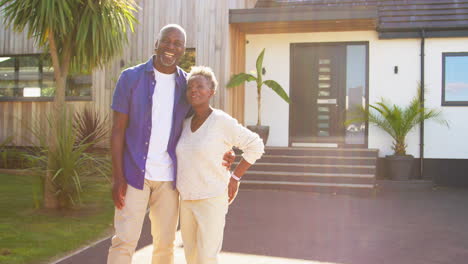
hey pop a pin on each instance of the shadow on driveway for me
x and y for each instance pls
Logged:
(400, 227)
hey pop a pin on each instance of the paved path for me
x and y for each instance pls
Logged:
(269, 227)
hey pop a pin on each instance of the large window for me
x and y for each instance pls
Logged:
(455, 79)
(31, 78)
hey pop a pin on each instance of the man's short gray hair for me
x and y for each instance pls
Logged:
(171, 27)
(206, 72)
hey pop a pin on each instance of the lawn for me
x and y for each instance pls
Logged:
(29, 235)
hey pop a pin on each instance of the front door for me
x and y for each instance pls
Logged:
(317, 92)
(328, 82)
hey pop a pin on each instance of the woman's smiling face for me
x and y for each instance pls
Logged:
(199, 90)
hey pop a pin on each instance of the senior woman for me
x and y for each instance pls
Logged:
(206, 188)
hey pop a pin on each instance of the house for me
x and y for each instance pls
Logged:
(329, 55)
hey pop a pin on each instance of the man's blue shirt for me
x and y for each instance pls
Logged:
(133, 96)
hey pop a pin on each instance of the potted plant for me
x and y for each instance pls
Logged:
(240, 78)
(398, 122)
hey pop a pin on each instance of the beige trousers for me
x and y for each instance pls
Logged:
(163, 201)
(202, 228)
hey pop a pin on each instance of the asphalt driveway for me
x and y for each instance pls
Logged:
(266, 226)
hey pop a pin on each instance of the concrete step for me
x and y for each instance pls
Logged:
(301, 151)
(330, 170)
(335, 160)
(319, 168)
(302, 177)
(333, 188)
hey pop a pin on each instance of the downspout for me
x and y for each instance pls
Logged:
(421, 131)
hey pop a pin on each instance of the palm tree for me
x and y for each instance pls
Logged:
(78, 34)
(398, 121)
(240, 78)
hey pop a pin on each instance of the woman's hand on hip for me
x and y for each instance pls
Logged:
(233, 188)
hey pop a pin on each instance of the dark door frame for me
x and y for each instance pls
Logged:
(315, 44)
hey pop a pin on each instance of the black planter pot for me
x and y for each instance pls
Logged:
(399, 167)
(262, 131)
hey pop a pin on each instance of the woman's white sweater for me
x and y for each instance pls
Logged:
(200, 173)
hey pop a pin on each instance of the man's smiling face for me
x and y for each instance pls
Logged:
(169, 49)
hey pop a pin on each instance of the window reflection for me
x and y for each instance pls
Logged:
(455, 86)
(32, 76)
(356, 77)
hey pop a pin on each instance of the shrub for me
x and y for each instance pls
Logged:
(92, 128)
(70, 162)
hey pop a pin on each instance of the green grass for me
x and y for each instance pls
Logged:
(29, 235)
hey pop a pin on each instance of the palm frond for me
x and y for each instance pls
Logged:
(259, 66)
(397, 121)
(91, 127)
(276, 87)
(239, 79)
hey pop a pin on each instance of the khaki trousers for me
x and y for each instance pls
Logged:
(163, 202)
(202, 228)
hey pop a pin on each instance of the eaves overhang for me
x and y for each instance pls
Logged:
(304, 19)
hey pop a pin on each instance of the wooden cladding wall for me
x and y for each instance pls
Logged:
(207, 26)
(236, 95)
(12, 43)
(17, 119)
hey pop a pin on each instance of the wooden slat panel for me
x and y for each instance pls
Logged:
(26, 116)
(236, 95)
(9, 129)
(206, 24)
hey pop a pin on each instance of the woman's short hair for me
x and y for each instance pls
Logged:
(206, 72)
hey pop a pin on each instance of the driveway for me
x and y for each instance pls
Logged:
(266, 226)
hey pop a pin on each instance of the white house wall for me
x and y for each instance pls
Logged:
(384, 55)
(441, 142)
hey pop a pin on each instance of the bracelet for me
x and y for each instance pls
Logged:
(235, 177)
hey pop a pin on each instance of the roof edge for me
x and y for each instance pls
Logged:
(275, 14)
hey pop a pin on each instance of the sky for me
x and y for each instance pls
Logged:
(456, 78)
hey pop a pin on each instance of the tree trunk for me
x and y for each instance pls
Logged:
(60, 73)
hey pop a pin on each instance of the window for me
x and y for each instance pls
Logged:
(31, 78)
(455, 79)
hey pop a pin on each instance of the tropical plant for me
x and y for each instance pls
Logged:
(92, 128)
(398, 121)
(240, 78)
(78, 34)
(68, 162)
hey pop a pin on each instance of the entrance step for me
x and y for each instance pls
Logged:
(333, 160)
(303, 151)
(314, 167)
(349, 171)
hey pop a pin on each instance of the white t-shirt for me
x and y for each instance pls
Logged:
(159, 165)
(200, 173)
